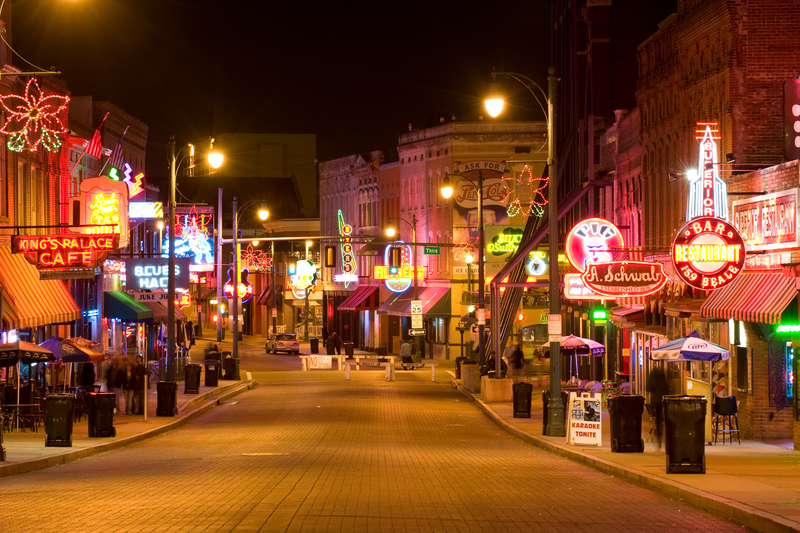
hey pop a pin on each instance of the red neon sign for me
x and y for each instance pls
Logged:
(624, 278)
(62, 252)
(708, 253)
(592, 240)
(244, 289)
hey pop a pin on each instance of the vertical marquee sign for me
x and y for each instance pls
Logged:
(349, 264)
(707, 192)
(101, 208)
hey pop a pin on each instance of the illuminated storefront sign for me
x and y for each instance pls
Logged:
(303, 277)
(153, 273)
(349, 265)
(576, 289)
(198, 278)
(708, 253)
(134, 183)
(101, 208)
(182, 298)
(62, 252)
(502, 240)
(593, 240)
(383, 272)
(708, 194)
(465, 191)
(768, 222)
(146, 210)
(624, 278)
(406, 257)
(245, 288)
(193, 237)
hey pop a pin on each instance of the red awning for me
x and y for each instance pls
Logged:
(357, 298)
(265, 298)
(435, 303)
(752, 297)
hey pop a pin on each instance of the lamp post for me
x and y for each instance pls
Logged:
(263, 214)
(390, 232)
(305, 311)
(468, 260)
(274, 290)
(494, 105)
(447, 192)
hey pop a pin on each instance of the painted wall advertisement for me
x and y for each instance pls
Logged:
(584, 420)
(768, 222)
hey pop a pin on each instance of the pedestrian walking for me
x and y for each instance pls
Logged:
(128, 386)
(336, 342)
(657, 387)
(141, 373)
(515, 360)
(115, 380)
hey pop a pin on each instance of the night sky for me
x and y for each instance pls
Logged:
(354, 76)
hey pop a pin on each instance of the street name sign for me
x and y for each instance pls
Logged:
(432, 250)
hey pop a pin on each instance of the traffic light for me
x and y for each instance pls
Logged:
(330, 256)
(521, 317)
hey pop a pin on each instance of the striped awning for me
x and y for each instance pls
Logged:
(29, 301)
(355, 301)
(759, 297)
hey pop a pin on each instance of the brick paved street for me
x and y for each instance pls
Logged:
(312, 454)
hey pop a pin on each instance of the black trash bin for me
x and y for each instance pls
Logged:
(460, 361)
(546, 401)
(100, 408)
(522, 393)
(232, 369)
(221, 366)
(192, 383)
(167, 398)
(685, 431)
(625, 412)
(348, 349)
(314, 344)
(212, 377)
(59, 409)
(2, 446)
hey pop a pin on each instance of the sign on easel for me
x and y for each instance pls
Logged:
(319, 362)
(584, 420)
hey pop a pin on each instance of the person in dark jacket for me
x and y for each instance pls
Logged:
(658, 387)
(128, 386)
(87, 376)
(335, 342)
(141, 373)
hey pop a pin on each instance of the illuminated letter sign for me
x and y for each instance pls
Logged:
(465, 191)
(145, 210)
(245, 288)
(592, 241)
(349, 265)
(383, 272)
(147, 273)
(102, 208)
(768, 222)
(707, 192)
(63, 252)
(400, 284)
(708, 253)
(624, 278)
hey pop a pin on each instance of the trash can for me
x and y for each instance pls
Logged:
(545, 401)
(522, 394)
(625, 412)
(212, 377)
(460, 361)
(382, 351)
(314, 344)
(167, 398)
(348, 349)
(2, 446)
(685, 431)
(232, 369)
(59, 409)
(192, 383)
(100, 408)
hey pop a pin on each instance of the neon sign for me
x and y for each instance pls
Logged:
(193, 238)
(244, 288)
(505, 242)
(256, 260)
(303, 277)
(525, 197)
(146, 273)
(101, 208)
(145, 210)
(184, 299)
(33, 119)
(60, 252)
(708, 253)
(592, 241)
(768, 222)
(349, 265)
(400, 284)
(707, 192)
(576, 289)
(624, 278)
(383, 272)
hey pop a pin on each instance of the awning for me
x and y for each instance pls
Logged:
(357, 298)
(122, 306)
(29, 301)
(207, 293)
(161, 310)
(435, 303)
(265, 298)
(752, 297)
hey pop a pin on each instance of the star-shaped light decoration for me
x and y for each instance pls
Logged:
(32, 119)
(256, 260)
(524, 195)
(464, 246)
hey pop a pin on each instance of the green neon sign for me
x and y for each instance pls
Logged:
(788, 328)
(599, 314)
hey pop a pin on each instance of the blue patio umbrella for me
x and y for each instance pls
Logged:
(690, 348)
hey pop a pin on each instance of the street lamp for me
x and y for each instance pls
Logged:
(447, 192)
(390, 232)
(173, 175)
(555, 426)
(308, 290)
(237, 211)
(468, 260)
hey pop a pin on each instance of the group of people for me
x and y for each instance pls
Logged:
(126, 380)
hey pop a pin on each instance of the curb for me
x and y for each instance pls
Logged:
(725, 508)
(183, 419)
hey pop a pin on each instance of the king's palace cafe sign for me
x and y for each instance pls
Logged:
(63, 252)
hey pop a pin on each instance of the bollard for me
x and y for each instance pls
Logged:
(346, 370)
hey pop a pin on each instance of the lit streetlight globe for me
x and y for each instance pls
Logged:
(494, 106)
(390, 232)
(215, 159)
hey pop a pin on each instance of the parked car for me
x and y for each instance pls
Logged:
(283, 342)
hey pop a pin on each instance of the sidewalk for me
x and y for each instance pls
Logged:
(755, 484)
(25, 451)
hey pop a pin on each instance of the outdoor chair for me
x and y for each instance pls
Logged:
(651, 412)
(726, 413)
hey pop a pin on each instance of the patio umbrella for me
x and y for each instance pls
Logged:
(19, 352)
(64, 350)
(573, 346)
(690, 348)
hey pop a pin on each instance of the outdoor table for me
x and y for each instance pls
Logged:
(15, 408)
